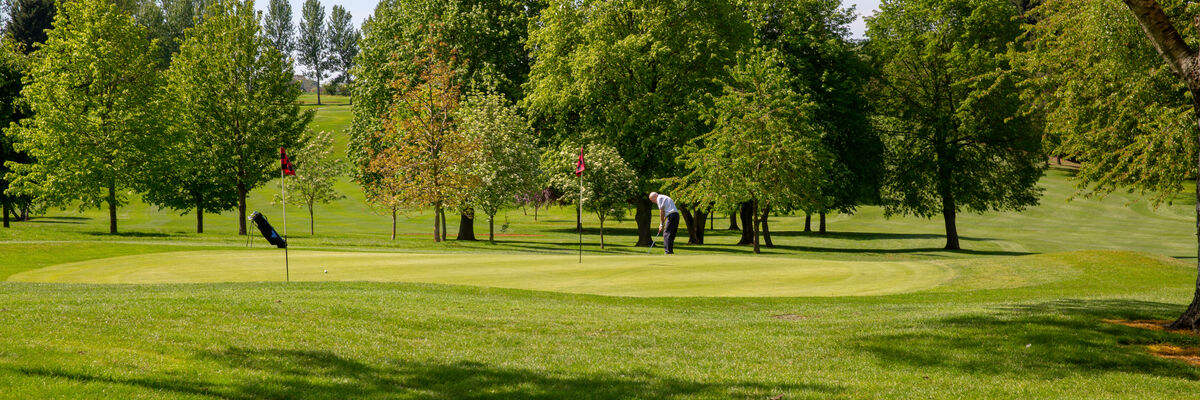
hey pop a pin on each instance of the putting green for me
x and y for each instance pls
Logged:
(650, 275)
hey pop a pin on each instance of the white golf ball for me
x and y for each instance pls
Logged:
(327, 271)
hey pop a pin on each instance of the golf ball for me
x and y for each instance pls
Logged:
(327, 271)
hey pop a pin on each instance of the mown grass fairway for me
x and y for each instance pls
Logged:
(873, 309)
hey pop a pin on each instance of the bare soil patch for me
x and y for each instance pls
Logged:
(1190, 355)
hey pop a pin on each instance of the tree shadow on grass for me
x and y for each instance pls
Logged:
(280, 373)
(133, 234)
(1049, 340)
(58, 220)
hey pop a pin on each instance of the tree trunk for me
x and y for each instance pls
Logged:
(393, 224)
(1190, 319)
(601, 233)
(578, 219)
(821, 227)
(199, 214)
(689, 222)
(535, 211)
(754, 214)
(312, 225)
(25, 213)
(466, 225)
(437, 225)
(442, 212)
(318, 91)
(112, 207)
(951, 229)
(766, 229)
(643, 221)
(701, 216)
(7, 208)
(748, 230)
(733, 225)
(807, 221)
(491, 228)
(241, 189)
(711, 224)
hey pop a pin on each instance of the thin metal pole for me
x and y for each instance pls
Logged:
(580, 227)
(283, 191)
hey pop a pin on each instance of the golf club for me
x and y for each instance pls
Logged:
(652, 243)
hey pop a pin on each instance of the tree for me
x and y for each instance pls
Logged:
(632, 75)
(314, 49)
(487, 36)
(342, 42)
(955, 137)
(278, 27)
(812, 36)
(316, 172)
(1081, 56)
(242, 105)
(13, 64)
(28, 22)
(764, 148)
(94, 109)
(506, 164)
(608, 181)
(424, 146)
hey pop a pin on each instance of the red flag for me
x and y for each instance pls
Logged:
(579, 165)
(287, 166)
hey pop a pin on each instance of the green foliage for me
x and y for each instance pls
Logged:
(278, 27)
(312, 43)
(316, 172)
(607, 184)
(28, 22)
(1107, 97)
(242, 107)
(342, 40)
(955, 136)
(812, 38)
(95, 109)
(506, 163)
(487, 36)
(629, 74)
(764, 147)
(13, 64)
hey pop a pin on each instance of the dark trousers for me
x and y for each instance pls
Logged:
(669, 233)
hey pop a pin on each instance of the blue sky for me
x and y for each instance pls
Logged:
(361, 9)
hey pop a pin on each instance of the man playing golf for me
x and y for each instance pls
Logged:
(668, 217)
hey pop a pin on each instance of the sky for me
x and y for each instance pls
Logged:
(361, 9)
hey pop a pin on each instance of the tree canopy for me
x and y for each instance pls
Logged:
(506, 162)
(955, 135)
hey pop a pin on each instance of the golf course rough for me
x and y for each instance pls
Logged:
(618, 275)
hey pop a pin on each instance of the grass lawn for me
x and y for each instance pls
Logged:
(873, 309)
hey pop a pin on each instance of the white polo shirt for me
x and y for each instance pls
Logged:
(666, 204)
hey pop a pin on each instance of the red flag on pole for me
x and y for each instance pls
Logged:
(287, 166)
(579, 165)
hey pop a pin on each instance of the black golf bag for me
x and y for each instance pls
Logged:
(267, 230)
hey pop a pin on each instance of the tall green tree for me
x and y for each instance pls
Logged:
(28, 22)
(242, 105)
(764, 148)
(486, 36)
(1096, 73)
(94, 106)
(506, 163)
(316, 173)
(343, 43)
(631, 74)
(955, 136)
(608, 181)
(312, 43)
(278, 27)
(13, 64)
(812, 36)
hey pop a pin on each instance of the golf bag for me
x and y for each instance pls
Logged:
(267, 230)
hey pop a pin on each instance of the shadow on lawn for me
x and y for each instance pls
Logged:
(279, 373)
(133, 234)
(1064, 338)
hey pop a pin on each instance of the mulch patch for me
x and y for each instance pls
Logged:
(1190, 355)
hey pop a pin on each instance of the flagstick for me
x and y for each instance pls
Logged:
(581, 216)
(283, 192)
